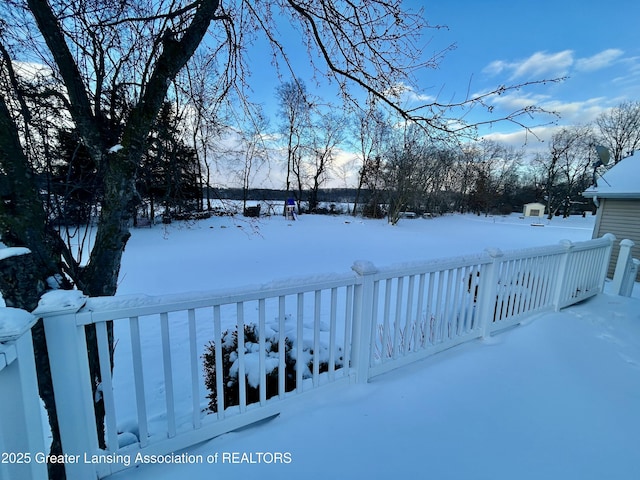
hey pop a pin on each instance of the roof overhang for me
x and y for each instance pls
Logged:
(618, 195)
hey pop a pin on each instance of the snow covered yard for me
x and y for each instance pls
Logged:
(555, 398)
(224, 252)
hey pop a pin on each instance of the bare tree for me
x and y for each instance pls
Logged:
(403, 171)
(295, 113)
(619, 129)
(465, 176)
(575, 164)
(372, 131)
(254, 151)
(564, 171)
(328, 133)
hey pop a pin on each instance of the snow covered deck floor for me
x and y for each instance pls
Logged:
(558, 398)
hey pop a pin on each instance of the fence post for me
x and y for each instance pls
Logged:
(605, 264)
(21, 435)
(362, 320)
(66, 343)
(562, 272)
(488, 291)
(627, 288)
(624, 267)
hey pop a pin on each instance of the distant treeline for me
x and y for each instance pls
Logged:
(341, 195)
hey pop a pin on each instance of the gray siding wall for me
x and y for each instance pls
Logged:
(622, 218)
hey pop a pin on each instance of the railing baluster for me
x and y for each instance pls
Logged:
(262, 350)
(300, 366)
(242, 372)
(468, 294)
(348, 320)
(385, 351)
(440, 320)
(195, 370)
(316, 337)
(374, 322)
(430, 315)
(458, 304)
(219, 363)
(168, 375)
(449, 309)
(418, 341)
(397, 329)
(332, 333)
(138, 375)
(106, 385)
(408, 332)
(281, 346)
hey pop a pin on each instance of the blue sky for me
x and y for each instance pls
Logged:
(594, 45)
(497, 42)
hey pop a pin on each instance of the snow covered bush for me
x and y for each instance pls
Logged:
(230, 365)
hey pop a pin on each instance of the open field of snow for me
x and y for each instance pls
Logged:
(233, 251)
(556, 398)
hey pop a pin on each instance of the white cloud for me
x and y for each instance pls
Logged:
(536, 67)
(533, 138)
(516, 100)
(496, 67)
(558, 64)
(581, 111)
(542, 64)
(599, 60)
(578, 112)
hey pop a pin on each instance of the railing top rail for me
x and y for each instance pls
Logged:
(429, 266)
(100, 309)
(559, 248)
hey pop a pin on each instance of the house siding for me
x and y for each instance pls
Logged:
(622, 218)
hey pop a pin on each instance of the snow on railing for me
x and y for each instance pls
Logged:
(21, 436)
(190, 367)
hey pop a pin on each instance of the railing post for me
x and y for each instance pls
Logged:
(562, 273)
(605, 264)
(488, 291)
(627, 289)
(624, 267)
(66, 344)
(362, 320)
(21, 436)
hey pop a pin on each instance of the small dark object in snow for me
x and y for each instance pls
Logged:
(537, 224)
(252, 211)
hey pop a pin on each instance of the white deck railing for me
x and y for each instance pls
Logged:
(295, 337)
(626, 270)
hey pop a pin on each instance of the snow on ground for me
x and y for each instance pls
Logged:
(556, 398)
(224, 252)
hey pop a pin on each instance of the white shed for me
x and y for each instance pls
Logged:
(533, 210)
